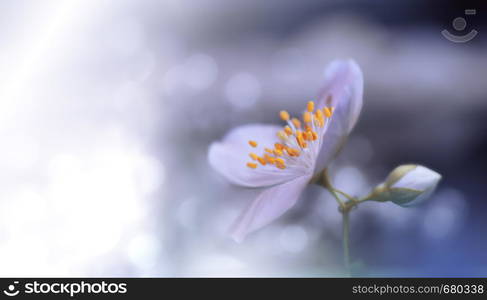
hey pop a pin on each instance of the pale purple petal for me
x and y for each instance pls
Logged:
(344, 83)
(268, 206)
(419, 178)
(230, 156)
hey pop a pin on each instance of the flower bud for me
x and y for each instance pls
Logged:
(407, 185)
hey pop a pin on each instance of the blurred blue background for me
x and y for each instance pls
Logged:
(107, 109)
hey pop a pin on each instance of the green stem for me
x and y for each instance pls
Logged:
(334, 194)
(323, 179)
(351, 198)
(346, 239)
(326, 182)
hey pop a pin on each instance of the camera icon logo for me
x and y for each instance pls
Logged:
(459, 24)
(11, 291)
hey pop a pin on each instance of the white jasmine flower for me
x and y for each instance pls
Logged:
(283, 160)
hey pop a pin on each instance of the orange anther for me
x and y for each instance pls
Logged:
(327, 111)
(269, 159)
(288, 130)
(310, 106)
(278, 146)
(296, 123)
(307, 117)
(251, 165)
(284, 115)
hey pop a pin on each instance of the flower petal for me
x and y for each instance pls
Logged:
(343, 89)
(420, 178)
(230, 156)
(268, 206)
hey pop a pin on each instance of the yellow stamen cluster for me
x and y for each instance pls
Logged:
(295, 137)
